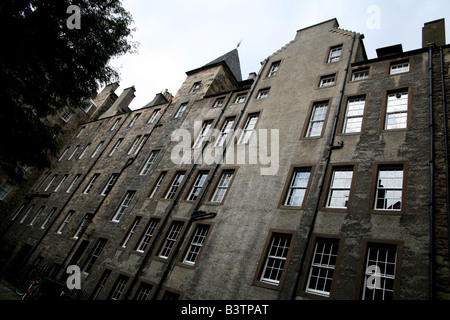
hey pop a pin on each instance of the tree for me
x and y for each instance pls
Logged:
(47, 64)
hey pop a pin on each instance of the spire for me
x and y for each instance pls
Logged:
(232, 60)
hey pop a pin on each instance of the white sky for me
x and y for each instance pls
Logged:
(176, 36)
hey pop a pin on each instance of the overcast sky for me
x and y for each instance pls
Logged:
(176, 36)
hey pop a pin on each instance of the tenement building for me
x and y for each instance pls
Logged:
(322, 176)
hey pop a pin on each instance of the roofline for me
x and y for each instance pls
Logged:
(318, 24)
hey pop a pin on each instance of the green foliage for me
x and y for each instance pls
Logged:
(45, 66)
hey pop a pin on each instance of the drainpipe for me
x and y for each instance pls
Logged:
(431, 205)
(331, 147)
(444, 106)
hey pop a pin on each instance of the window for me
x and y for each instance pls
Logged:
(354, 115)
(132, 122)
(297, 187)
(137, 144)
(396, 110)
(196, 244)
(73, 153)
(91, 183)
(150, 161)
(18, 212)
(48, 217)
(37, 215)
(100, 284)
(335, 54)
(63, 154)
(148, 234)
(143, 291)
(222, 187)
(50, 183)
(218, 102)
(381, 266)
(65, 222)
(83, 225)
(240, 98)
(61, 182)
(176, 182)
(360, 74)
(198, 185)
(87, 105)
(5, 189)
(81, 131)
(389, 188)
(263, 93)
(399, 67)
(274, 69)
(327, 81)
(73, 183)
(94, 255)
(275, 259)
(202, 134)
(226, 128)
(27, 214)
(196, 86)
(181, 110)
(322, 268)
(250, 124)
(97, 149)
(124, 205)
(318, 115)
(157, 185)
(113, 127)
(67, 115)
(130, 232)
(84, 151)
(171, 239)
(154, 115)
(109, 185)
(340, 186)
(116, 146)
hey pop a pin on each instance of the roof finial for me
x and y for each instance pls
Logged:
(239, 44)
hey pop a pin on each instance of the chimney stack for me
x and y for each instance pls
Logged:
(433, 33)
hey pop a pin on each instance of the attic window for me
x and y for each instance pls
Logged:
(335, 54)
(67, 115)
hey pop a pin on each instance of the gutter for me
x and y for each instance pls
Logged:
(431, 205)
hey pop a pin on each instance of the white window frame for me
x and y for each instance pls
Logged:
(61, 182)
(327, 81)
(323, 266)
(73, 183)
(124, 205)
(37, 215)
(202, 134)
(148, 234)
(63, 154)
(197, 241)
(298, 184)
(340, 188)
(65, 222)
(226, 128)
(240, 98)
(317, 120)
(131, 232)
(197, 186)
(94, 255)
(397, 105)
(154, 115)
(171, 239)
(181, 110)
(67, 115)
(275, 258)
(84, 151)
(82, 227)
(5, 189)
(108, 186)
(116, 146)
(158, 184)
(354, 115)
(274, 69)
(132, 122)
(263, 93)
(27, 213)
(360, 74)
(393, 188)
(222, 187)
(50, 183)
(399, 67)
(97, 149)
(335, 54)
(250, 125)
(73, 153)
(48, 217)
(150, 161)
(91, 183)
(176, 182)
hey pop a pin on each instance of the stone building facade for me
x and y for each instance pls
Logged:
(311, 179)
